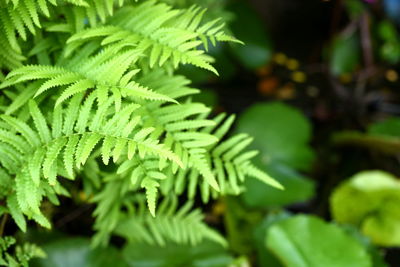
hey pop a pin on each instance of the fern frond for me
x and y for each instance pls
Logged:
(104, 72)
(151, 193)
(165, 34)
(180, 226)
(19, 18)
(226, 162)
(9, 58)
(18, 255)
(16, 212)
(40, 152)
(222, 165)
(98, 85)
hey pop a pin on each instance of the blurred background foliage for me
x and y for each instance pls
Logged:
(317, 86)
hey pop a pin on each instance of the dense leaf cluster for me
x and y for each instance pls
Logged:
(89, 93)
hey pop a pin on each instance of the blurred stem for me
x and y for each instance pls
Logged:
(366, 45)
(386, 144)
(233, 233)
(239, 223)
(3, 223)
(366, 41)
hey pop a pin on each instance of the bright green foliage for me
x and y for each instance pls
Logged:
(21, 255)
(307, 241)
(91, 84)
(166, 35)
(370, 200)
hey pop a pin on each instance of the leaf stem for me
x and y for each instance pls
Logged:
(3, 223)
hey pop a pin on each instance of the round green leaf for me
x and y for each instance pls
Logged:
(307, 241)
(281, 134)
(371, 200)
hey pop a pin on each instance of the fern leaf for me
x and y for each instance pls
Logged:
(99, 72)
(183, 226)
(91, 142)
(63, 79)
(119, 147)
(200, 164)
(30, 136)
(42, 220)
(15, 141)
(57, 123)
(108, 143)
(51, 156)
(40, 122)
(68, 154)
(74, 89)
(165, 33)
(262, 176)
(32, 193)
(151, 193)
(16, 212)
(188, 125)
(135, 90)
(19, 101)
(35, 164)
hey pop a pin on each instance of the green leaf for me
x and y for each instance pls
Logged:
(297, 188)
(205, 254)
(75, 252)
(40, 122)
(388, 127)
(389, 50)
(376, 253)
(281, 134)
(370, 200)
(266, 257)
(16, 212)
(307, 241)
(151, 193)
(344, 54)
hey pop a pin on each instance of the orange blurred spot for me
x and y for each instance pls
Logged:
(286, 92)
(267, 86)
(264, 70)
